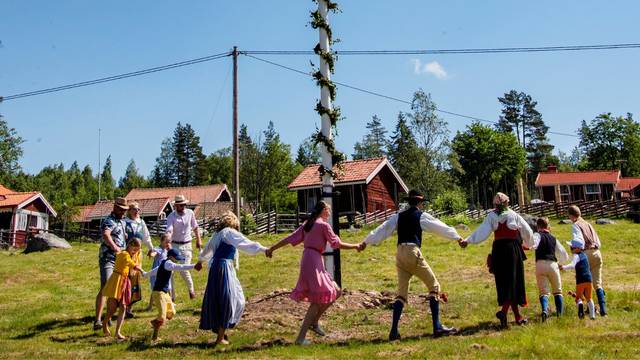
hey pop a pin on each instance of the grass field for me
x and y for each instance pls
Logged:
(46, 307)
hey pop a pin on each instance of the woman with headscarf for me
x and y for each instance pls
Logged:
(511, 232)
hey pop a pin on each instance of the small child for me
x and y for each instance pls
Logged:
(160, 295)
(117, 290)
(549, 252)
(583, 278)
(160, 254)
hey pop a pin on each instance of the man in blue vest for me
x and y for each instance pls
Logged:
(409, 225)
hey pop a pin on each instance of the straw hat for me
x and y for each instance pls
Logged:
(134, 205)
(180, 200)
(121, 203)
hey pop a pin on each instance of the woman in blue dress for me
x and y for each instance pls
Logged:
(223, 301)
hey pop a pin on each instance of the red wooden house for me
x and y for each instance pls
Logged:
(602, 185)
(21, 213)
(365, 186)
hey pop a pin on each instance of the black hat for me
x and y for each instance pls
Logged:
(176, 254)
(415, 195)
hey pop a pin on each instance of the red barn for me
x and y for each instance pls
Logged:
(20, 213)
(365, 186)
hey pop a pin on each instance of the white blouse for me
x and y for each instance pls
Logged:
(427, 223)
(234, 238)
(513, 221)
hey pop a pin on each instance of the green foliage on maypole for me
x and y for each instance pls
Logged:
(317, 22)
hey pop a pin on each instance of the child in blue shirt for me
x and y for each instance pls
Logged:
(580, 263)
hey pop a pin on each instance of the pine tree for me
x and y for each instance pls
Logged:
(374, 144)
(406, 156)
(10, 151)
(107, 182)
(308, 153)
(131, 179)
(163, 174)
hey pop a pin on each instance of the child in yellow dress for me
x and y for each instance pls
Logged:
(117, 290)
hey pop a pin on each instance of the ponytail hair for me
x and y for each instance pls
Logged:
(317, 210)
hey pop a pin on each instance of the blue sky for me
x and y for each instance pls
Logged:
(46, 43)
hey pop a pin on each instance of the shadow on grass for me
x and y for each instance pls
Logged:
(142, 344)
(52, 325)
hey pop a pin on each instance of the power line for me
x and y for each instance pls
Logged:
(455, 51)
(117, 77)
(389, 97)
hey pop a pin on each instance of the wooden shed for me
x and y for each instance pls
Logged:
(365, 186)
(22, 213)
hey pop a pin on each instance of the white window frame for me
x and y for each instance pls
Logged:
(587, 192)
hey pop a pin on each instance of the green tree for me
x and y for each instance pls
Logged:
(490, 160)
(107, 183)
(162, 174)
(610, 142)
(90, 184)
(131, 179)
(374, 144)
(406, 156)
(250, 166)
(308, 153)
(188, 162)
(520, 116)
(278, 171)
(10, 151)
(219, 167)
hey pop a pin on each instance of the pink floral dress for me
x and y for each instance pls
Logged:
(314, 285)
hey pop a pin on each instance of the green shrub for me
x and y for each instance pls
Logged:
(450, 201)
(453, 220)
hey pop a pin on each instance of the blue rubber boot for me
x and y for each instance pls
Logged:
(397, 313)
(601, 301)
(559, 300)
(544, 303)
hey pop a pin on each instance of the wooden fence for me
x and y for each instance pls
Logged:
(5, 239)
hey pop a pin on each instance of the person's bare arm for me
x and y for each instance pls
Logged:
(106, 236)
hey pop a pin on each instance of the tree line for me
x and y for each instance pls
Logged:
(453, 171)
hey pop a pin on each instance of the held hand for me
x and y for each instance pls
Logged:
(198, 266)
(199, 244)
(152, 253)
(269, 253)
(560, 267)
(362, 246)
(116, 249)
(463, 243)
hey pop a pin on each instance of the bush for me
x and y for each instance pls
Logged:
(453, 220)
(247, 222)
(451, 202)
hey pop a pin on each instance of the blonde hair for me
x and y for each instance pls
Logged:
(573, 210)
(229, 219)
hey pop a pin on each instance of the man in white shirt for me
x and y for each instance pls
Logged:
(410, 224)
(180, 223)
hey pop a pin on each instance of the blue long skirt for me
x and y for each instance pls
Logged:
(223, 301)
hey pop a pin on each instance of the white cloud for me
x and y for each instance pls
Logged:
(434, 68)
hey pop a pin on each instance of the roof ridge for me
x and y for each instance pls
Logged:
(177, 187)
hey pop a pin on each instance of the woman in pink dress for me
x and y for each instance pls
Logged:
(315, 285)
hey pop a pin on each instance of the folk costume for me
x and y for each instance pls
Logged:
(584, 232)
(315, 284)
(224, 301)
(507, 257)
(160, 296)
(549, 252)
(584, 279)
(409, 225)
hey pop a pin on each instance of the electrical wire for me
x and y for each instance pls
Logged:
(117, 77)
(374, 93)
(455, 51)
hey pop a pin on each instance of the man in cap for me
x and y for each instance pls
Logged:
(113, 241)
(409, 225)
(180, 223)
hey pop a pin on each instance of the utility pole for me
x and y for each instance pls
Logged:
(236, 154)
(331, 256)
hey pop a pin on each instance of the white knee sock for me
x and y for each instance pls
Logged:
(592, 309)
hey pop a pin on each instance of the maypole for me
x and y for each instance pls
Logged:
(329, 118)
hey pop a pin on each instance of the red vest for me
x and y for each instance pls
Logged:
(503, 232)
